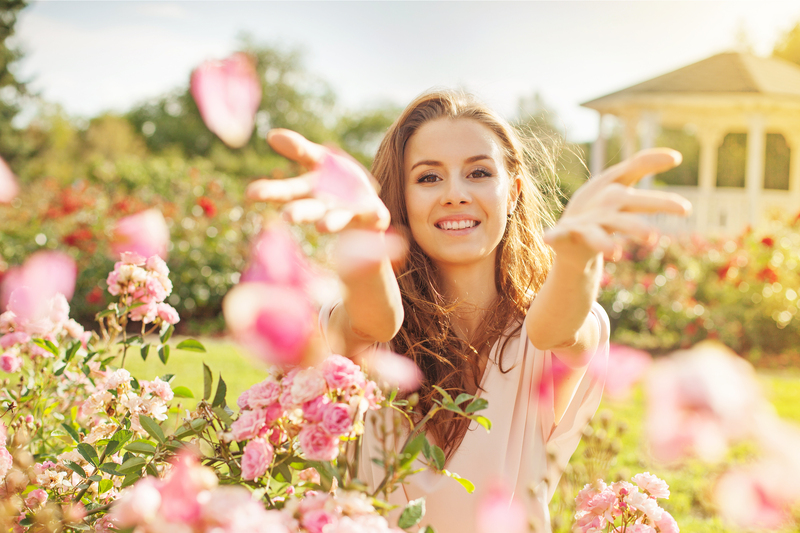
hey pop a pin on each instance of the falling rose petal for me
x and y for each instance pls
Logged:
(394, 369)
(8, 183)
(344, 182)
(627, 366)
(44, 274)
(276, 258)
(275, 322)
(544, 387)
(751, 498)
(358, 250)
(144, 234)
(227, 94)
(183, 488)
(498, 510)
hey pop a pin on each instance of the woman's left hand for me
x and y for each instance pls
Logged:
(604, 212)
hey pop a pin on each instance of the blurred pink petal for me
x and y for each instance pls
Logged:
(227, 94)
(275, 322)
(43, 275)
(341, 180)
(700, 400)
(498, 510)
(276, 258)
(394, 369)
(626, 366)
(760, 496)
(357, 250)
(8, 183)
(142, 235)
(185, 489)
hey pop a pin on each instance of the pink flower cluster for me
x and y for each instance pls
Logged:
(188, 500)
(146, 283)
(343, 512)
(632, 505)
(319, 405)
(6, 460)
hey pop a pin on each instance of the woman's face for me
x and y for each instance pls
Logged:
(457, 191)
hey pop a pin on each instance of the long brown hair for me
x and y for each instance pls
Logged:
(523, 259)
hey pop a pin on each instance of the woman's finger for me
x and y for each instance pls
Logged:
(628, 224)
(304, 211)
(294, 146)
(593, 236)
(630, 171)
(648, 201)
(280, 190)
(335, 220)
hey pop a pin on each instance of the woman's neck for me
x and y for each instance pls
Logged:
(473, 287)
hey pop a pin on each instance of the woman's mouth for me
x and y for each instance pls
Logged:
(456, 224)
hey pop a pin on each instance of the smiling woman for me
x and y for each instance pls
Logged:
(488, 302)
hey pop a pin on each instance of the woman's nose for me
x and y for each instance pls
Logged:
(455, 193)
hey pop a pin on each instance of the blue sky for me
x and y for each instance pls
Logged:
(97, 56)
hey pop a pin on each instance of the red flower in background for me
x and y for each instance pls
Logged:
(722, 271)
(768, 241)
(82, 238)
(768, 275)
(208, 205)
(95, 296)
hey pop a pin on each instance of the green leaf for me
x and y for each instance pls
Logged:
(152, 428)
(478, 404)
(72, 432)
(182, 392)
(166, 332)
(88, 452)
(47, 345)
(60, 370)
(438, 457)
(27, 521)
(485, 422)
(191, 345)
(208, 382)
(110, 468)
(446, 397)
(75, 468)
(223, 415)
(222, 390)
(167, 377)
(283, 471)
(463, 397)
(467, 484)
(73, 349)
(136, 339)
(151, 470)
(111, 447)
(163, 353)
(428, 529)
(139, 446)
(412, 513)
(412, 450)
(426, 449)
(122, 436)
(103, 314)
(134, 464)
(105, 485)
(195, 426)
(145, 351)
(131, 478)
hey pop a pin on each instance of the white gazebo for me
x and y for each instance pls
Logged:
(727, 94)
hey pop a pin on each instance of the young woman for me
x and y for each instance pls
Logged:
(493, 299)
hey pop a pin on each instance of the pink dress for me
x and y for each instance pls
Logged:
(525, 448)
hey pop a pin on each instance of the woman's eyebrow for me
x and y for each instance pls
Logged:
(433, 163)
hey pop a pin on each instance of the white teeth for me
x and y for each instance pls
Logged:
(461, 224)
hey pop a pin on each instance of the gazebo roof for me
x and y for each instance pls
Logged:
(725, 74)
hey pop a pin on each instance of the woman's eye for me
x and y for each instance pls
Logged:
(480, 173)
(427, 178)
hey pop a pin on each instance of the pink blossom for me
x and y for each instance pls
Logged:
(655, 487)
(167, 313)
(160, 388)
(318, 521)
(286, 399)
(641, 502)
(144, 233)
(73, 513)
(317, 444)
(640, 528)
(314, 409)
(184, 490)
(7, 321)
(341, 373)
(116, 379)
(153, 291)
(10, 339)
(307, 385)
(277, 259)
(264, 393)
(137, 505)
(3, 434)
(227, 94)
(274, 412)
(249, 424)
(8, 183)
(244, 400)
(10, 362)
(6, 462)
(667, 524)
(257, 457)
(274, 322)
(498, 510)
(337, 420)
(397, 370)
(132, 258)
(145, 313)
(36, 498)
(588, 492)
(342, 180)
(627, 366)
(74, 329)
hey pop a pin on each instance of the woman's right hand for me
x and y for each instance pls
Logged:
(336, 194)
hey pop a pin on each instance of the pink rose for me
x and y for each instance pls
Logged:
(7, 322)
(264, 393)
(654, 486)
(36, 498)
(6, 462)
(256, 459)
(10, 362)
(277, 259)
(9, 340)
(341, 373)
(137, 505)
(249, 424)
(159, 388)
(159, 266)
(307, 385)
(184, 490)
(314, 409)
(317, 444)
(244, 400)
(154, 291)
(167, 313)
(667, 524)
(146, 313)
(337, 420)
(316, 521)
(274, 412)
(498, 510)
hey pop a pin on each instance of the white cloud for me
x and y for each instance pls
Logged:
(163, 10)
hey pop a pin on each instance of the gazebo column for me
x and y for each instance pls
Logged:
(794, 172)
(631, 122)
(648, 128)
(754, 172)
(710, 139)
(598, 155)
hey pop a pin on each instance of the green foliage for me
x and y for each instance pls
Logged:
(12, 90)
(788, 46)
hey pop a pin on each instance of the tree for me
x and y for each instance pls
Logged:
(788, 46)
(11, 89)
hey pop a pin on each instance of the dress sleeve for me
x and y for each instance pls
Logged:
(324, 319)
(564, 437)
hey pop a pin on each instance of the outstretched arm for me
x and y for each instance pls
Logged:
(372, 310)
